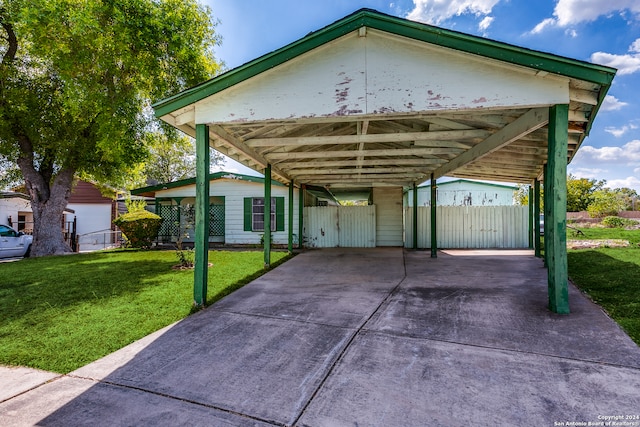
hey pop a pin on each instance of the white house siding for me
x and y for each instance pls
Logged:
(465, 193)
(389, 227)
(471, 227)
(234, 192)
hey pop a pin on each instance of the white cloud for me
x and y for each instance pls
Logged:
(571, 12)
(626, 64)
(636, 170)
(618, 132)
(628, 153)
(485, 23)
(549, 22)
(437, 11)
(589, 173)
(629, 182)
(611, 103)
(571, 33)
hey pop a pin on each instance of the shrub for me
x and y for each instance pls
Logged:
(140, 227)
(617, 222)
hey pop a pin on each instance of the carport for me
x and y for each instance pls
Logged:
(378, 102)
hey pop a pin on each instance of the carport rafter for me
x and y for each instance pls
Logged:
(532, 120)
(444, 136)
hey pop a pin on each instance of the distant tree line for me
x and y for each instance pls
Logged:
(592, 196)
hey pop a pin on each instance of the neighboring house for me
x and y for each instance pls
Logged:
(94, 212)
(464, 192)
(87, 209)
(236, 208)
(15, 211)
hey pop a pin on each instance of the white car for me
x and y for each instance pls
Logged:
(14, 243)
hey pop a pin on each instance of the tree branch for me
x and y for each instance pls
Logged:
(10, 54)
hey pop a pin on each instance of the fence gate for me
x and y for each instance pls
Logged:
(340, 226)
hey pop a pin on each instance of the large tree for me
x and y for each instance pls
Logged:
(76, 80)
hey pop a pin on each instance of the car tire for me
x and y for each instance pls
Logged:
(28, 253)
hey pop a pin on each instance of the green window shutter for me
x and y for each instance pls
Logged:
(248, 201)
(279, 213)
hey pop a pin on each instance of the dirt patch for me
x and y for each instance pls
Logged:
(597, 243)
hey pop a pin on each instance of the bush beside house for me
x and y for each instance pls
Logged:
(140, 228)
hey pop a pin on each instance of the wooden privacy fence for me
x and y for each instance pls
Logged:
(340, 226)
(471, 227)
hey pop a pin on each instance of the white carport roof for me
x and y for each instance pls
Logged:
(374, 100)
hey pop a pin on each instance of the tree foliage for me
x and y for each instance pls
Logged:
(580, 192)
(605, 202)
(629, 198)
(76, 82)
(521, 195)
(172, 156)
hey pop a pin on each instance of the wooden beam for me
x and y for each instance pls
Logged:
(578, 116)
(527, 123)
(366, 184)
(354, 153)
(289, 166)
(322, 171)
(583, 96)
(370, 138)
(188, 116)
(221, 134)
(444, 144)
(364, 176)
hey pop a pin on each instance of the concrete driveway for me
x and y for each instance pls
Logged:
(350, 337)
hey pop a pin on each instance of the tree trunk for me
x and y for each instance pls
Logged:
(48, 202)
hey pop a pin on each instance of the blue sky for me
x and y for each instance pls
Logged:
(606, 32)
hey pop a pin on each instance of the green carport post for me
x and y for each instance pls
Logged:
(545, 208)
(434, 237)
(536, 218)
(267, 216)
(531, 220)
(300, 215)
(415, 216)
(201, 273)
(291, 217)
(557, 199)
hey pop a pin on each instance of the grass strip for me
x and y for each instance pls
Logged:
(60, 313)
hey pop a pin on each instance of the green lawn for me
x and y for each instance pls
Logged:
(610, 276)
(60, 313)
(633, 236)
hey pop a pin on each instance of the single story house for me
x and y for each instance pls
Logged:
(236, 209)
(464, 192)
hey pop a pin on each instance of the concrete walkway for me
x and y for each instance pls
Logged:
(348, 337)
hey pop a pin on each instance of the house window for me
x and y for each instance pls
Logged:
(254, 213)
(257, 213)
